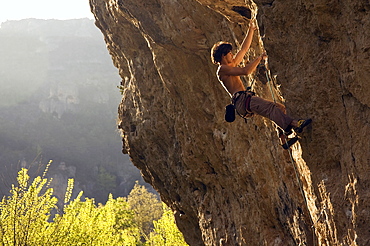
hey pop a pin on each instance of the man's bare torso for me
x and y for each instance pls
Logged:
(231, 83)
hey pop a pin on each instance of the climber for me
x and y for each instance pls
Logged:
(245, 102)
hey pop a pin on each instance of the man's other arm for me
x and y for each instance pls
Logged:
(239, 71)
(245, 44)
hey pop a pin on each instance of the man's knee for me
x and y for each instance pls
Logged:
(281, 107)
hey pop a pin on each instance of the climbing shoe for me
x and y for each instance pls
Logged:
(290, 142)
(302, 124)
(288, 130)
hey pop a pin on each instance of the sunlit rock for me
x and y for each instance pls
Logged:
(232, 184)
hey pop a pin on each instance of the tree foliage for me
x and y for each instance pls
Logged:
(165, 231)
(28, 217)
(146, 207)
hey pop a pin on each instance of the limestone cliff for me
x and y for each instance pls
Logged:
(232, 184)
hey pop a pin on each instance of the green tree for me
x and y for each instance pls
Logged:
(25, 213)
(146, 207)
(105, 182)
(25, 218)
(165, 231)
(84, 223)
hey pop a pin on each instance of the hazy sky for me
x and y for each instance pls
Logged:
(44, 9)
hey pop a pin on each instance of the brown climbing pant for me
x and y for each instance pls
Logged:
(269, 110)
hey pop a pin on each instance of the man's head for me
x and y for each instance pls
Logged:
(218, 50)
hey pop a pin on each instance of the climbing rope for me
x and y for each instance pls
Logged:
(268, 77)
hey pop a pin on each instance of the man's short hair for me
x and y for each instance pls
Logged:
(219, 49)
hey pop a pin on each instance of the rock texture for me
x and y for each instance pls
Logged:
(232, 184)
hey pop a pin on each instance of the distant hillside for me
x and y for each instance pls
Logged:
(58, 101)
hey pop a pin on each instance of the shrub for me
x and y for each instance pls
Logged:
(28, 218)
(165, 231)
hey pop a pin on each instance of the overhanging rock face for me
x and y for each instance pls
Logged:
(232, 184)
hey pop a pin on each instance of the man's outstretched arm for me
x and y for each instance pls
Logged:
(239, 71)
(245, 44)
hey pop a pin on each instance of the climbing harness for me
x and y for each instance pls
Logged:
(246, 97)
(231, 108)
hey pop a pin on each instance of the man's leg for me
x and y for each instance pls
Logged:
(270, 110)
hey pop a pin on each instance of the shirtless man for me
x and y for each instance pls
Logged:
(245, 102)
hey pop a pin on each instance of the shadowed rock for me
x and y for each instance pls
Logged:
(232, 184)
